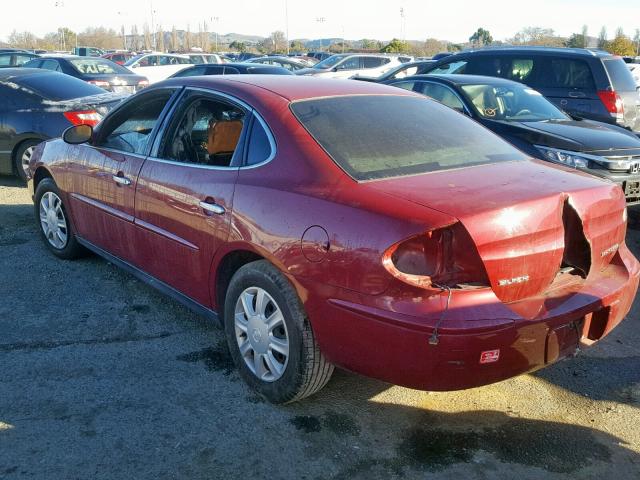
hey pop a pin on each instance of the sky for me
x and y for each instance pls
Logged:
(444, 19)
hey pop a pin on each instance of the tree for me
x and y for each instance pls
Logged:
(279, 41)
(433, 46)
(160, 39)
(395, 46)
(481, 37)
(576, 40)
(147, 36)
(636, 40)
(297, 46)
(585, 36)
(135, 38)
(602, 38)
(187, 39)
(621, 45)
(538, 36)
(367, 44)
(174, 39)
(239, 46)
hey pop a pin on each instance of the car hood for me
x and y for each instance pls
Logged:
(526, 219)
(577, 135)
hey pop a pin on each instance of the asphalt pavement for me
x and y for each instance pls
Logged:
(102, 377)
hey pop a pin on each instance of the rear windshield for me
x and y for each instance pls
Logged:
(58, 86)
(383, 136)
(621, 78)
(94, 66)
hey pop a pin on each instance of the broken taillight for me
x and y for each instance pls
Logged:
(440, 257)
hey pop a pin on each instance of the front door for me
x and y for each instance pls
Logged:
(103, 193)
(185, 192)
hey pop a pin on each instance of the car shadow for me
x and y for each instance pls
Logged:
(10, 181)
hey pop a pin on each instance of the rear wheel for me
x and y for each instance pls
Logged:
(269, 336)
(54, 222)
(23, 157)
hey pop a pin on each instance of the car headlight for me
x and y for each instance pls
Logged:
(571, 159)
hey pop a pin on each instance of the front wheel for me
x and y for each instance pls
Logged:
(54, 222)
(269, 336)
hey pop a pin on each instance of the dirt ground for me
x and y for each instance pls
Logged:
(101, 377)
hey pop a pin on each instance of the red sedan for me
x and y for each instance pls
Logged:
(329, 222)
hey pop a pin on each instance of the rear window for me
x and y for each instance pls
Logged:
(58, 86)
(566, 73)
(621, 78)
(94, 66)
(373, 137)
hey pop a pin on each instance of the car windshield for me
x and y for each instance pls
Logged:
(95, 66)
(515, 103)
(410, 135)
(329, 62)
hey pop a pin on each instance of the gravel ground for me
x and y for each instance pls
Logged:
(102, 377)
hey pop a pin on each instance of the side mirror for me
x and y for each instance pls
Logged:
(78, 134)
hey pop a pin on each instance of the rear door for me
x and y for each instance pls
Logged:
(106, 172)
(185, 191)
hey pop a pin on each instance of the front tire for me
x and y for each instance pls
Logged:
(53, 221)
(269, 336)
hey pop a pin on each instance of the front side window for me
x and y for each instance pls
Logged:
(204, 131)
(512, 102)
(352, 63)
(52, 65)
(410, 135)
(130, 128)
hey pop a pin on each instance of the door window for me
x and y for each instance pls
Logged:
(51, 65)
(129, 130)
(20, 60)
(352, 63)
(373, 62)
(440, 93)
(204, 131)
(566, 73)
(458, 66)
(520, 69)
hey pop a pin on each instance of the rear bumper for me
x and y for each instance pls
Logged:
(383, 338)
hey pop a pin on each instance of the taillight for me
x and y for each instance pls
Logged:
(84, 117)
(445, 256)
(101, 84)
(612, 102)
(142, 84)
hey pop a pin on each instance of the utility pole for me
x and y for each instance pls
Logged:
(153, 25)
(321, 20)
(60, 4)
(403, 32)
(216, 20)
(286, 20)
(124, 35)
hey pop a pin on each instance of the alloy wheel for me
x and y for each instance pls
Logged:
(261, 334)
(52, 220)
(26, 158)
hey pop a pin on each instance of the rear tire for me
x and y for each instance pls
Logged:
(54, 222)
(22, 157)
(269, 335)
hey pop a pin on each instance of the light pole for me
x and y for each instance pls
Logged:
(403, 32)
(286, 20)
(153, 25)
(124, 36)
(321, 20)
(216, 21)
(60, 4)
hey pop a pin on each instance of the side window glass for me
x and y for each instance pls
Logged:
(21, 60)
(130, 130)
(372, 62)
(51, 65)
(451, 67)
(484, 65)
(565, 73)
(5, 60)
(228, 70)
(352, 63)
(259, 145)
(405, 72)
(519, 69)
(406, 85)
(191, 72)
(205, 131)
(442, 94)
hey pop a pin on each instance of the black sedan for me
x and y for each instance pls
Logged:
(101, 72)
(15, 58)
(36, 105)
(231, 69)
(529, 121)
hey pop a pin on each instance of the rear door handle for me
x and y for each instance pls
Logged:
(120, 180)
(577, 94)
(212, 207)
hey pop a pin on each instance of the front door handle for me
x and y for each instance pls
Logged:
(120, 180)
(212, 207)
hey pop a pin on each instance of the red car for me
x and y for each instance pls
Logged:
(333, 222)
(119, 57)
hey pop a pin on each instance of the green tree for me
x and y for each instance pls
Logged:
(481, 37)
(368, 44)
(621, 45)
(395, 46)
(576, 40)
(538, 36)
(602, 38)
(239, 46)
(297, 46)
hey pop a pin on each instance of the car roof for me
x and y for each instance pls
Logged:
(460, 79)
(289, 87)
(582, 52)
(7, 74)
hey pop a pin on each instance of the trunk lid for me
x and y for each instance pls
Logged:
(521, 215)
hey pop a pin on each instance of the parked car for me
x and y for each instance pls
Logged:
(428, 253)
(100, 72)
(231, 69)
(349, 65)
(15, 58)
(88, 52)
(319, 56)
(197, 58)
(119, 57)
(587, 83)
(401, 71)
(527, 120)
(157, 66)
(36, 105)
(292, 64)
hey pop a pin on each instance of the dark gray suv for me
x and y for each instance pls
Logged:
(591, 84)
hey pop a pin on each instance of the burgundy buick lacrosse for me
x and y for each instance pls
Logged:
(334, 222)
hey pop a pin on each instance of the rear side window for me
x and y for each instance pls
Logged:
(259, 144)
(566, 73)
(620, 75)
(411, 135)
(51, 65)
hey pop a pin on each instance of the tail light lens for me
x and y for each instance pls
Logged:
(612, 102)
(101, 84)
(445, 256)
(142, 84)
(84, 117)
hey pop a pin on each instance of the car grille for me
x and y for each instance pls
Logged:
(634, 159)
